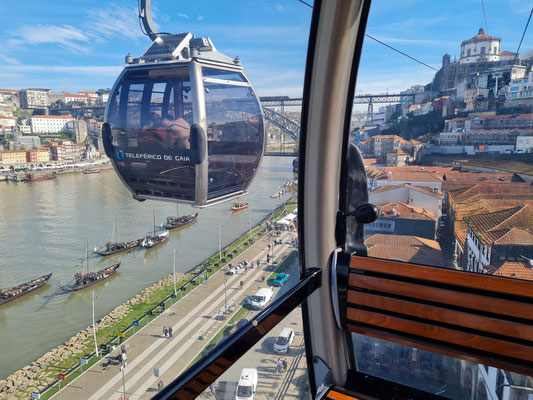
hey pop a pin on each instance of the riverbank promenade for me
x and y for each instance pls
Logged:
(190, 317)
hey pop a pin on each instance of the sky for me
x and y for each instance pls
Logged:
(81, 44)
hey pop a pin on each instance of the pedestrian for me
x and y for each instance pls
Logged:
(242, 283)
(160, 386)
(278, 365)
(206, 277)
(170, 331)
(165, 331)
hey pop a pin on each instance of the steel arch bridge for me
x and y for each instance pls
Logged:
(287, 125)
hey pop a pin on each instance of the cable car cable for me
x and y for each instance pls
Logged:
(523, 34)
(384, 44)
(485, 16)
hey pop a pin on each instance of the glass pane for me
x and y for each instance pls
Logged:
(234, 122)
(445, 143)
(223, 74)
(446, 152)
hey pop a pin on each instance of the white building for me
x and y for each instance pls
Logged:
(481, 47)
(49, 123)
(103, 98)
(521, 88)
(7, 122)
(34, 98)
(80, 98)
(425, 198)
(524, 144)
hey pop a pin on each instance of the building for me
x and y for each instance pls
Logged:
(381, 145)
(403, 219)
(54, 97)
(79, 98)
(7, 122)
(102, 98)
(397, 158)
(520, 91)
(34, 98)
(493, 238)
(10, 158)
(9, 97)
(424, 198)
(394, 176)
(524, 144)
(455, 124)
(92, 96)
(65, 151)
(476, 98)
(78, 128)
(481, 63)
(26, 142)
(49, 123)
(410, 249)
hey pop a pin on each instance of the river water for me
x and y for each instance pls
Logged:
(44, 227)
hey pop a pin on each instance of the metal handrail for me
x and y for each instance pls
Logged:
(198, 377)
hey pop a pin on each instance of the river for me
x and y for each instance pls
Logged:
(44, 228)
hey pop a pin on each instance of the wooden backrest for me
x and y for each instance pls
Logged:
(480, 318)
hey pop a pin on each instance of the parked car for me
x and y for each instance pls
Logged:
(284, 341)
(241, 323)
(261, 298)
(247, 384)
(280, 279)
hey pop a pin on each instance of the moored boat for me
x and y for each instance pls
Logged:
(90, 171)
(239, 206)
(31, 177)
(177, 222)
(155, 238)
(22, 289)
(117, 247)
(83, 281)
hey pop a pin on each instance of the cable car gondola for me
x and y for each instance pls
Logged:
(183, 123)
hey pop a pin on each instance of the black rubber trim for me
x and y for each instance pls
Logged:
(197, 378)
(343, 274)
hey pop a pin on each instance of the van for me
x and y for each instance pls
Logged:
(247, 384)
(261, 298)
(284, 341)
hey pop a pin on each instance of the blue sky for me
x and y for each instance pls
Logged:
(82, 43)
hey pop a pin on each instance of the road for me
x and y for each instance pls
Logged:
(192, 316)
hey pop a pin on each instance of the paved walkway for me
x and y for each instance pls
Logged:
(189, 318)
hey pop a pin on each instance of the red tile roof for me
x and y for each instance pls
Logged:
(421, 189)
(411, 249)
(460, 230)
(506, 227)
(507, 53)
(53, 116)
(402, 210)
(512, 269)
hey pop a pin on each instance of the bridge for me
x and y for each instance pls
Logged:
(287, 125)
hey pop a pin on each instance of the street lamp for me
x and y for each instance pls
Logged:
(219, 242)
(122, 368)
(175, 292)
(225, 299)
(94, 330)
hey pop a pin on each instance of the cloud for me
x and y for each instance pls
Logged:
(414, 42)
(200, 18)
(114, 21)
(183, 15)
(66, 36)
(107, 70)
(8, 60)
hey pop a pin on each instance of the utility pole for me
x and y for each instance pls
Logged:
(219, 242)
(225, 299)
(94, 331)
(175, 292)
(122, 368)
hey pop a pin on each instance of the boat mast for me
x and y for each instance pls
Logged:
(154, 221)
(87, 255)
(116, 230)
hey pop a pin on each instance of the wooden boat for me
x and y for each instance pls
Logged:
(239, 206)
(22, 289)
(31, 177)
(90, 171)
(155, 238)
(117, 247)
(177, 222)
(114, 246)
(83, 281)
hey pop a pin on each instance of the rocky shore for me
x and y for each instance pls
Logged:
(39, 374)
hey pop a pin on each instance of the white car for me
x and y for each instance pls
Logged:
(232, 271)
(261, 298)
(247, 384)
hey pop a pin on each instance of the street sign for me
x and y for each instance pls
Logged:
(62, 377)
(156, 372)
(135, 323)
(84, 361)
(36, 395)
(121, 334)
